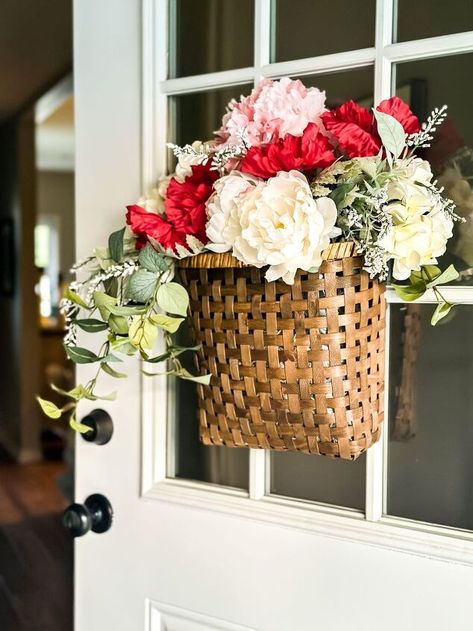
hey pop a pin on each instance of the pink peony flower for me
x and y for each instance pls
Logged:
(272, 110)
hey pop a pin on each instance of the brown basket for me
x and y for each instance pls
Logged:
(294, 367)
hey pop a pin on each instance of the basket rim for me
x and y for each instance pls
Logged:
(215, 260)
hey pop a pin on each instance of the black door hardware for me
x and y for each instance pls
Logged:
(101, 425)
(94, 514)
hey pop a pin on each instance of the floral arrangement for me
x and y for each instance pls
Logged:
(282, 179)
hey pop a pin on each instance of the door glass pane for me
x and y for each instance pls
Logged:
(196, 116)
(319, 479)
(312, 477)
(193, 460)
(430, 467)
(431, 83)
(341, 86)
(210, 35)
(425, 18)
(308, 28)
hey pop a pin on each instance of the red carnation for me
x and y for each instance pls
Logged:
(304, 153)
(185, 211)
(354, 128)
(147, 224)
(401, 112)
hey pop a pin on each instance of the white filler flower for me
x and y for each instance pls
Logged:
(276, 223)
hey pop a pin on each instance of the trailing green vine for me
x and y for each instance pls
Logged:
(129, 296)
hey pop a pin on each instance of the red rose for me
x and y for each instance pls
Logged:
(184, 211)
(354, 128)
(304, 153)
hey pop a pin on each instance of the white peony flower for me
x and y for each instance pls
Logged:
(276, 223)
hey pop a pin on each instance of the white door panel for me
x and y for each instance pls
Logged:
(163, 617)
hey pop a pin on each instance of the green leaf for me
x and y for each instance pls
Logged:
(168, 323)
(78, 427)
(391, 132)
(115, 245)
(49, 408)
(106, 397)
(185, 374)
(158, 359)
(159, 374)
(103, 257)
(442, 310)
(173, 351)
(65, 393)
(118, 324)
(151, 260)
(426, 272)
(123, 346)
(142, 333)
(173, 298)
(447, 276)
(430, 271)
(368, 165)
(77, 393)
(142, 286)
(75, 298)
(127, 311)
(111, 358)
(339, 194)
(410, 292)
(177, 350)
(81, 355)
(92, 325)
(112, 372)
(104, 303)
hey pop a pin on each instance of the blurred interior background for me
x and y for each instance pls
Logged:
(36, 252)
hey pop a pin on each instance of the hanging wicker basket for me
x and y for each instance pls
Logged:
(294, 367)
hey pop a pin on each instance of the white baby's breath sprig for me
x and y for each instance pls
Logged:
(119, 271)
(221, 157)
(425, 135)
(200, 152)
(81, 264)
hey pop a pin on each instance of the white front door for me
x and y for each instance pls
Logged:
(219, 539)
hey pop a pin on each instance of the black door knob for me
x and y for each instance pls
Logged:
(101, 425)
(94, 514)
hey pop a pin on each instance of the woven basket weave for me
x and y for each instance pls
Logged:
(294, 367)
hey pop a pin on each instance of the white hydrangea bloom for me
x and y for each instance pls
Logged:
(420, 229)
